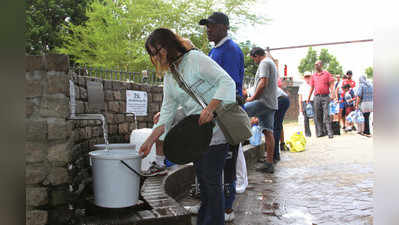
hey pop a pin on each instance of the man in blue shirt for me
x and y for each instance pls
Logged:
(230, 57)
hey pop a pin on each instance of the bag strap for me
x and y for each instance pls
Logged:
(183, 85)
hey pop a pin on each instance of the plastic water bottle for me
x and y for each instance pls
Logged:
(309, 110)
(333, 108)
(256, 138)
(360, 117)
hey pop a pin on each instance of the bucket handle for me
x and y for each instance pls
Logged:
(130, 168)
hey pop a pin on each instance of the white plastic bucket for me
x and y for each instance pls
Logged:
(137, 138)
(115, 185)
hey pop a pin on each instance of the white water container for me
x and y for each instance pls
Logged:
(137, 138)
(115, 185)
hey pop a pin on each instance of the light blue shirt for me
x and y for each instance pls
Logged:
(207, 79)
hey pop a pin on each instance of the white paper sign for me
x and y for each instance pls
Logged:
(136, 102)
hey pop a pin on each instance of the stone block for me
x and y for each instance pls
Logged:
(36, 196)
(35, 174)
(142, 125)
(123, 106)
(59, 153)
(29, 107)
(58, 175)
(82, 81)
(35, 130)
(113, 106)
(59, 196)
(80, 107)
(116, 85)
(92, 142)
(109, 117)
(35, 152)
(157, 89)
(57, 83)
(108, 85)
(36, 217)
(123, 128)
(35, 63)
(119, 118)
(145, 87)
(57, 129)
(157, 97)
(123, 95)
(113, 129)
(57, 62)
(82, 133)
(96, 132)
(33, 88)
(86, 107)
(83, 93)
(108, 95)
(154, 107)
(88, 132)
(117, 95)
(55, 106)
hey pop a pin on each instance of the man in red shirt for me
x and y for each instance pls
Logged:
(322, 83)
(349, 80)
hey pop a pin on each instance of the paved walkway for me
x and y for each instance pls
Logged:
(329, 183)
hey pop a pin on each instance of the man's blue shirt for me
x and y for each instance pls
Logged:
(229, 56)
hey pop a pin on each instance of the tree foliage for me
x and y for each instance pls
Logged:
(369, 72)
(249, 64)
(45, 20)
(115, 32)
(307, 63)
(330, 62)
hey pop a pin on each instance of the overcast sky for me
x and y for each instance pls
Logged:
(301, 22)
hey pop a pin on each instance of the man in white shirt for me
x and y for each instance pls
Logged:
(303, 93)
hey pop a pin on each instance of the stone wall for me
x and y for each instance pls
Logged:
(293, 110)
(58, 174)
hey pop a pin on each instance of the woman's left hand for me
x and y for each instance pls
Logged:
(205, 116)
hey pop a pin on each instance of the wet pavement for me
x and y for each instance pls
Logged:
(329, 183)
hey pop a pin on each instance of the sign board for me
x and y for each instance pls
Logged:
(136, 102)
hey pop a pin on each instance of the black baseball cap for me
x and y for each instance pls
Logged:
(349, 72)
(216, 18)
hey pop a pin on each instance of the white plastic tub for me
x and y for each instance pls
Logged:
(115, 185)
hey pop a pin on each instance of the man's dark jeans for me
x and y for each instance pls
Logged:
(321, 115)
(283, 105)
(230, 176)
(209, 173)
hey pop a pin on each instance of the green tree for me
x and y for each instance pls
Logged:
(369, 72)
(307, 63)
(330, 62)
(45, 20)
(115, 32)
(249, 64)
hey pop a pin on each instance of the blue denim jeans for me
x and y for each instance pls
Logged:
(209, 173)
(265, 114)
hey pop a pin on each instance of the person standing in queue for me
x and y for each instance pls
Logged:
(229, 56)
(322, 83)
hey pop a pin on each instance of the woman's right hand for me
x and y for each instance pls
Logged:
(146, 148)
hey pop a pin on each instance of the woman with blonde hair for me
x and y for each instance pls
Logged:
(173, 56)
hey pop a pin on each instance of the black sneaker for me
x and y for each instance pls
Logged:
(155, 170)
(267, 168)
